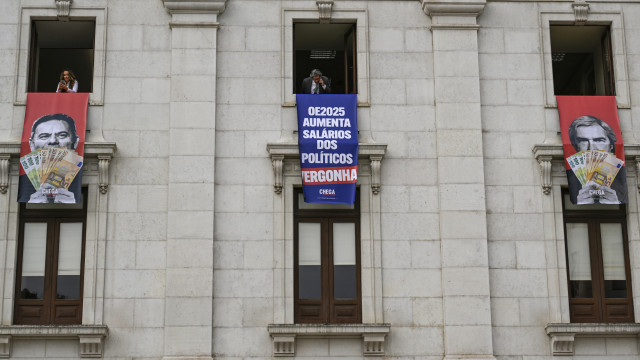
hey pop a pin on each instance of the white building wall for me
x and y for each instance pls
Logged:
(192, 231)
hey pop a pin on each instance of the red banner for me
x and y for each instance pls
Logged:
(52, 148)
(593, 149)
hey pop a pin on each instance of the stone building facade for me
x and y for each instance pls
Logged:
(191, 174)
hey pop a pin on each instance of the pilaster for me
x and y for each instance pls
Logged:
(463, 223)
(190, 220)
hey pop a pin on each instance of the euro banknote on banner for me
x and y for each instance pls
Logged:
(596, 167)
(55, 166)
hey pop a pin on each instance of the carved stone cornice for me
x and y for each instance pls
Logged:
(376, 166)
(195, 6)
(545, 154)
(64, 8)
(194, 13)
(4, 173)
(324, 8)
(277, 161)
(284, 336)
(103, 151)
(450, 14)
(281, 151)
(7, 151)
(580, 11)
(91, 337)
(563, 335)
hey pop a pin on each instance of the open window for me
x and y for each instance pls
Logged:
(327, 262)
(597, 253)
(58, 45)
(49, 275)
(331, 48)
(582, 60)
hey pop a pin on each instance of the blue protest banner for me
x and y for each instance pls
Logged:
(328, 142)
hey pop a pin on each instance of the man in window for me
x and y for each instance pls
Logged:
(316, 83)
(49, 132)
(590, 133)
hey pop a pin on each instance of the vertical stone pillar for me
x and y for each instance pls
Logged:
(463, 228)
(189, 273)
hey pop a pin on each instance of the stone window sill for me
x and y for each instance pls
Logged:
(284, 336)
(91, 337)
(545, 154)
(563, 335)
(103, 152)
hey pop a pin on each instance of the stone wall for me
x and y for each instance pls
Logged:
(191, 247)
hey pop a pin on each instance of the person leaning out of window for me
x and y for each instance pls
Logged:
(316, 83)
(68, 82)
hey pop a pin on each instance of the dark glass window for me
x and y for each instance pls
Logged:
(327, 262)
(49, 275)
(331, 48)
(59, 45)
(582, 61)
(597, 263)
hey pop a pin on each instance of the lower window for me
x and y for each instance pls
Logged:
(327, 262)
(49, 275)
(598, 263)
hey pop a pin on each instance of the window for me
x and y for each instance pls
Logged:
(582, 61)
(49, 276)
(327, 262)
(58, 45)
(597, 262)
(331, 48)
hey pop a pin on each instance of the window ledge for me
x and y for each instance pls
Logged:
(284, 335)
(563, 335)
(91, 336)
(102, 151)
(546, 153)
(373, 152)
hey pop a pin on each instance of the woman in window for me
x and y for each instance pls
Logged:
(68, 82)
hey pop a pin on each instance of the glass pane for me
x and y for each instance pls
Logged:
(33, 260)
(344, 261)
(613, 260)
(69, 261)
(309, 261)
(579, 259)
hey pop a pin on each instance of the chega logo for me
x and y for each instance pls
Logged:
(327, 192)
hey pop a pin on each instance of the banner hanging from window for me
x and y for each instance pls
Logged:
(52, 148)
(328, 142)
(593, 149)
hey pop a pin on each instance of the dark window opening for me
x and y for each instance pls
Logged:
(330, 48)
(327, 262)
(49, 273)
(56, 46)
(582, 61)
(597, 253)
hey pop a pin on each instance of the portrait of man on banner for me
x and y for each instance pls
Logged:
(52, 149)
(593, 149)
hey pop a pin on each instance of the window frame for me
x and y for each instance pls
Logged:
(327, 303)
(285, 159)
(29, 14)
(602, 63)
(608, 16)
(53, 218)
(359, 16)
(35, 53)
(602, 308)
(350, 78)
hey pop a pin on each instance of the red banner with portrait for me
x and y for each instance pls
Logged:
(52, 148)
(593, 149)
